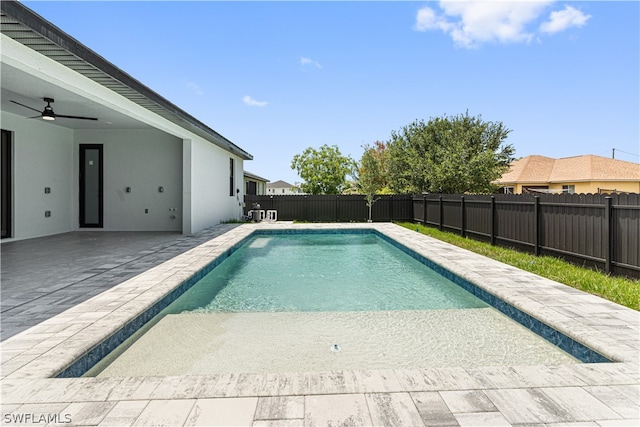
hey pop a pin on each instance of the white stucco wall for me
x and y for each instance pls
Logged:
(43, 157)
(208, 172)
(144, 160)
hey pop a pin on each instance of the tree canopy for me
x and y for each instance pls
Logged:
(324, 170)
(451, 154)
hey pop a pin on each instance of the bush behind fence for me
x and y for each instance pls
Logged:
(597, 230)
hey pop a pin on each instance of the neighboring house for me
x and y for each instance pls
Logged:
(143, 165)
(254, 185)
(282, 187)
(580, 174)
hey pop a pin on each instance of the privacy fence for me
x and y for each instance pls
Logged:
(596, 230)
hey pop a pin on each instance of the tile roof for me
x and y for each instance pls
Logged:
(532, 169)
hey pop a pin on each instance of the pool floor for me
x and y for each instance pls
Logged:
(219, 343)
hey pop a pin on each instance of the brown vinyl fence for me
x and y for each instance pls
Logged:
(596, 230)
(332, 208)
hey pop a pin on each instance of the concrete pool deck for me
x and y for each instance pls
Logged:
(605, 394)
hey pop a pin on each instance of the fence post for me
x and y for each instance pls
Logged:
(536, 225)
(462, 217)
(493, 220)
(608, 234)
(440, 214)
(390, 207)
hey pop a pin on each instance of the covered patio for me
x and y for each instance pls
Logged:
(45, 276)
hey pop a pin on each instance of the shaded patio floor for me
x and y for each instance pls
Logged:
(45, 276)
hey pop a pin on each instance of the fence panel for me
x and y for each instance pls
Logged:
(418, 207)
(451, 216)
(574, 224)
(626, 236)
(478, 216)
(402, 208)
(515, 221)
(334, 207)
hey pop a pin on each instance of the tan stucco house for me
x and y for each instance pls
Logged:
(579, 174)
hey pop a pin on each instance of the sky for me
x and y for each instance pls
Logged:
(278, 77)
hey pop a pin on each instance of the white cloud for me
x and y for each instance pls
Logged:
(308, 61)
(562, 19)
(195, 88)
(472, 23)
(252, 102)
(428, 20)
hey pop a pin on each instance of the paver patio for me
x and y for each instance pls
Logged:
(606, 394)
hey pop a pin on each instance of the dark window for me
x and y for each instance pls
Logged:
(231, 177)
(6, 183)
(251, 188)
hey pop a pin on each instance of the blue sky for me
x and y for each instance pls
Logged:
(277, 77)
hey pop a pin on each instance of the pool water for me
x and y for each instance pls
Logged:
(322, 272)
(309, 302)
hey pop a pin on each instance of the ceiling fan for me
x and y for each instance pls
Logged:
(48, 114)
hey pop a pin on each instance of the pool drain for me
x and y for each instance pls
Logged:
(335, 347)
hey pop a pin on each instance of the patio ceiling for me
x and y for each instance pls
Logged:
(29, 90)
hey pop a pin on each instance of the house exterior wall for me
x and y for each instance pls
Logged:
(144, 160)
(208, 198)
(582, 187)
(261, 186)
(42, 157)
(282, 191)
(608, 186)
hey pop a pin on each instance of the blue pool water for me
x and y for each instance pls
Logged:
(322, 272)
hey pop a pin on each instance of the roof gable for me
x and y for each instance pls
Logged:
(540, 169)
(279, 184)
(529, 169)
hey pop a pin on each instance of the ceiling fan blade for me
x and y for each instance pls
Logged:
(75, 117)
(25, 106)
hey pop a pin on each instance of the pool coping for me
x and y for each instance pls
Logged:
(31, 357)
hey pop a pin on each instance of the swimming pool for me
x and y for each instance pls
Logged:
(564, 393)
(227, 323)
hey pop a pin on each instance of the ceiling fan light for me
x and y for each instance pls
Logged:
(48, 115)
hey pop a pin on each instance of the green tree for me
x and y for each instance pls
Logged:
(324, 171)
(455, 154)
(372, 176)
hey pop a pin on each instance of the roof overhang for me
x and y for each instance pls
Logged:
(29, 29)
(250, 175)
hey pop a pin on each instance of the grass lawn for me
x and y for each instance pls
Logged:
(620, 290)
